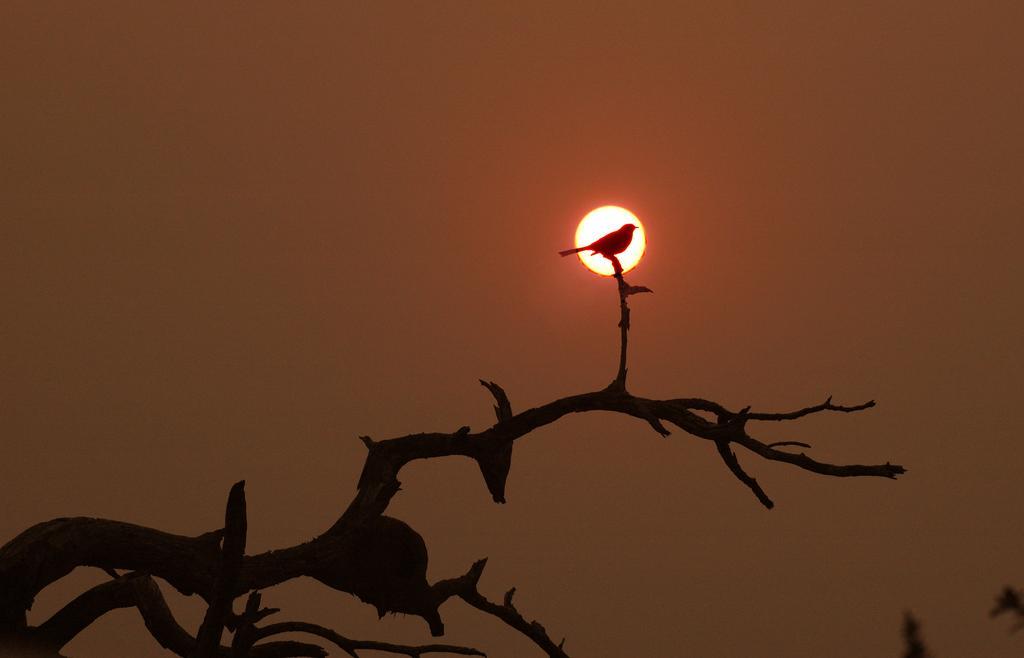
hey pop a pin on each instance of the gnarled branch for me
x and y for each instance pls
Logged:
(232, 552)
(351, 646)
(507, 612)
(141, 591)
(247, 634)
(729, 457)
(380, 560)
(387, 457)
(46, 552)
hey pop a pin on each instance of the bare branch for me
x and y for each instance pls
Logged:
(745, 414)
(162, 626)
(252, 614)
(729, 457)
(508, 614)
(380, 560)
(141, 591)
(633, 290)
(824, 406)
(350, 646)
(502, 410)
(235, 528)
(625, 290)
(86, 608)
(244, 625)
(49, 551)
(645, 412)
(779, 444)
(388, 456)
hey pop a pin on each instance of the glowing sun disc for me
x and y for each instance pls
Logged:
(599, 223)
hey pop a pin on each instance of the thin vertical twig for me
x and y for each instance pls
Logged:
(625, 290)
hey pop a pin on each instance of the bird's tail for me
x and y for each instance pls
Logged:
(571, 251)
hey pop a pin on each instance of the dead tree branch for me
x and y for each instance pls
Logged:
(351, 646)
(232, 552)
(824, 406)
(378, 559)
(729, 457)
(502, 410)
(365, 553)
(244, 625)
(135, 590)
(507, 613)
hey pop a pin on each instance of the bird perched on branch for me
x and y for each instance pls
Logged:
(609, 245)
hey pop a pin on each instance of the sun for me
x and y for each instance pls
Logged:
(602, 221)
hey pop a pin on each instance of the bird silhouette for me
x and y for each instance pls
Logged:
(609, 245)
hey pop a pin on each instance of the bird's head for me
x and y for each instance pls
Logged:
(628, 228)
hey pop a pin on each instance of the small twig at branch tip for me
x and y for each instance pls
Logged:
(502, 410)
(367, 441)
(729, 457)
(477, 570)
(658, 427)
(634, 290)
(508, 597)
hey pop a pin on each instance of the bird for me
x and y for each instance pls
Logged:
(609, 245)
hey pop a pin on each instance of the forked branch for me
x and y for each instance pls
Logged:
(140, 591)
(379, 559)
(508, 613)
(361, 551)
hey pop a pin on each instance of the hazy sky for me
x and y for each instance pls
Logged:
(234, 238)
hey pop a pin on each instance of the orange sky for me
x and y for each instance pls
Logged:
(235, 238)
